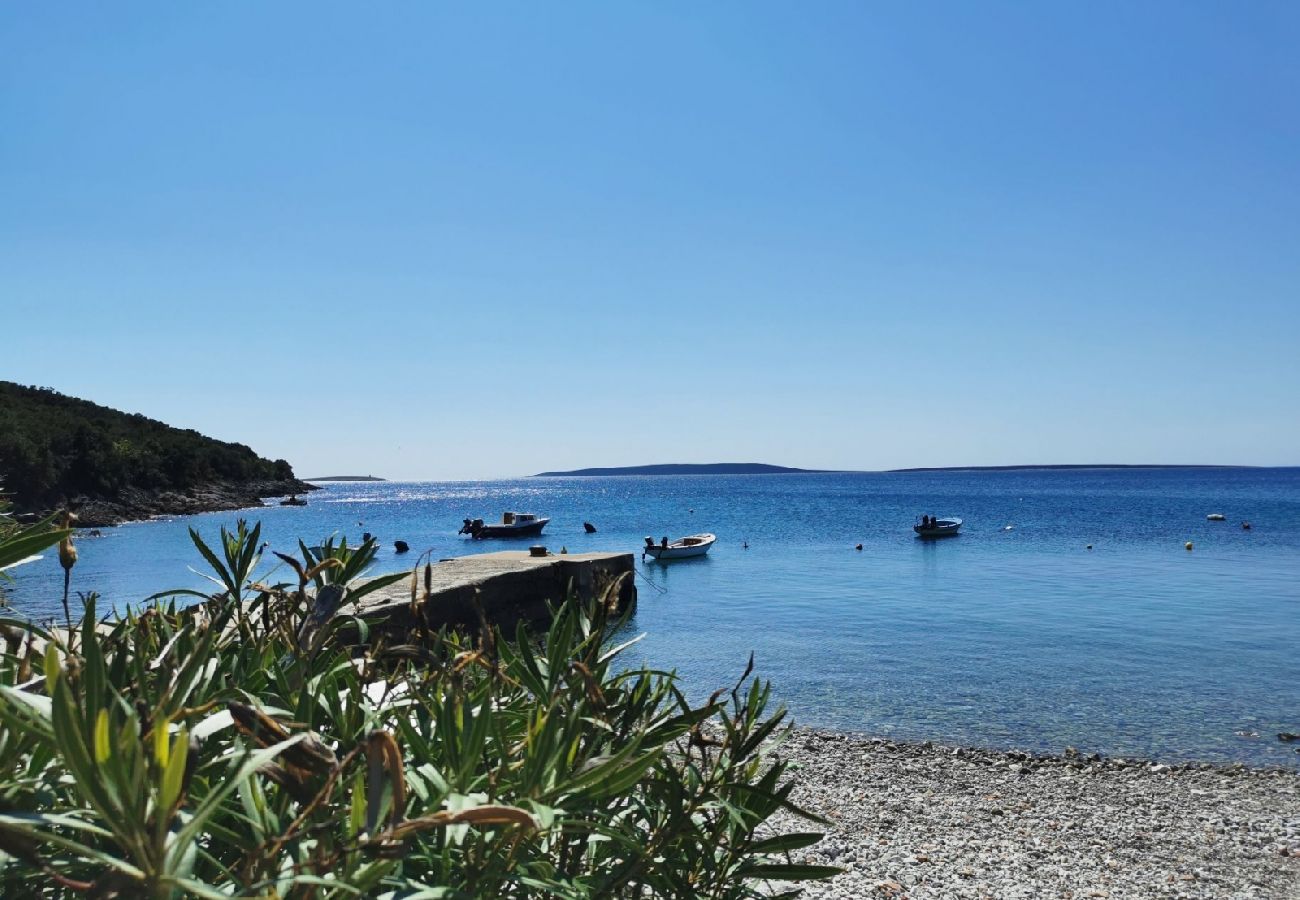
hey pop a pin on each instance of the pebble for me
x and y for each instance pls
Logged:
(929, 821)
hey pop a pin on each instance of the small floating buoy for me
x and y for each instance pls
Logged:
(564, 550)
(1245, 526)
(1090, 546)
(744, 545)
(1007, 527)
(1188, 545)
(858, 547)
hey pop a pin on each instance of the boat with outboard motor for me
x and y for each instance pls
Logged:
(692, 545)
(512, 524)
(934, 527)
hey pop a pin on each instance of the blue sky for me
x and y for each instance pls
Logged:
(431, 241)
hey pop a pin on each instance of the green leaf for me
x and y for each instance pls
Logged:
(51, 667)
(793, 872)
(102, 747)
(175, 771)
(784, 843)
(28, 542)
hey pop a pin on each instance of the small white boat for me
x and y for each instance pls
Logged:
(936, 527)
(694, 545)
(1216, 517)
(512, 524)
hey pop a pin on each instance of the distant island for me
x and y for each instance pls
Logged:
(1064, 466)
(687, 469)
(110, 467)
(347, 478)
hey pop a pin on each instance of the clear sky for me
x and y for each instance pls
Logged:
(432, 241)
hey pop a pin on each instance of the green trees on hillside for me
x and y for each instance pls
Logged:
(54, 447)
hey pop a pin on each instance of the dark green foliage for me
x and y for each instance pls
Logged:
(54, 448)
(255, 749)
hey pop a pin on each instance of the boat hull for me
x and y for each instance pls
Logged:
(680, 550)
(532, 529)
(945, 528)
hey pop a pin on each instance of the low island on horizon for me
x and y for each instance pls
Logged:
(766, 469)
(688, 469)
(347, 478)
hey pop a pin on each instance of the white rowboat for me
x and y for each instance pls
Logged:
(694, 545)
(937, 528)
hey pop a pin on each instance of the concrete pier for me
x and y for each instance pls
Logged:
(509, 586)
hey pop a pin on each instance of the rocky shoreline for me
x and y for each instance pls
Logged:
(927, 821)
(134, 504)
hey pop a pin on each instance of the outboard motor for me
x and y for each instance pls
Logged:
(649, 541)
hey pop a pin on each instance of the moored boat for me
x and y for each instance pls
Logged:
(936, 527)
(512, 524)
(692, 545)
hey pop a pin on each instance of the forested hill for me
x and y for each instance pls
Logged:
(56, 449)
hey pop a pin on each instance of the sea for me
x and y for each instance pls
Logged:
(1068, 612)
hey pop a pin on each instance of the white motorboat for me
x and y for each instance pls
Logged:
(512, 524)
(694, 545)
(936, 527)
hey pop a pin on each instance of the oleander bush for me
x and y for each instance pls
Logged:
(264, 743)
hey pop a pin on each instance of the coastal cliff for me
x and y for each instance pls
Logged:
(110, 466)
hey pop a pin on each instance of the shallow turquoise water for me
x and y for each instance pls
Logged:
(997, 637)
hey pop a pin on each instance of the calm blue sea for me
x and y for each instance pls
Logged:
(1002, 638)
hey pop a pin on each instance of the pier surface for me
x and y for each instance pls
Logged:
(509, 586)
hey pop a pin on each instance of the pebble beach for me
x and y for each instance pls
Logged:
(921, 820)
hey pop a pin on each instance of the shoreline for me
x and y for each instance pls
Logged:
(928, 820)
(134, 505)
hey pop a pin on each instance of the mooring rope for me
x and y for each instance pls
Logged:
(645, 575)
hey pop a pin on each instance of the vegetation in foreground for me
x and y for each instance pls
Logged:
(54, 447)
(260, 745)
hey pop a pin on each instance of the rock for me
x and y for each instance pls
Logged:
(401, 546)
(589, 528)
